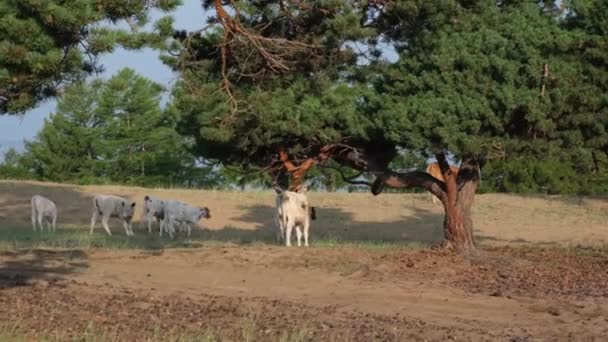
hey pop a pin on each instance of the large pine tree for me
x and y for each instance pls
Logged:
(284, 85)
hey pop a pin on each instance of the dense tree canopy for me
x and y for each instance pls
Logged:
(49, 43)
(470, 78)
(289, 84)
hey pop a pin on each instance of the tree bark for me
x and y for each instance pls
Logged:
(298, 172)
(458, 234)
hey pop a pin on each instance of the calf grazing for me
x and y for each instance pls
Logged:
(113, 206)
(293, 211)
(434, 170)
(183, 214)
(153, 209)
(43, 208)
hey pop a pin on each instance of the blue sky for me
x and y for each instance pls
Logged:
(190, 16)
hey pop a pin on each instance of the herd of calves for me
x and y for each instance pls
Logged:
(292, 211)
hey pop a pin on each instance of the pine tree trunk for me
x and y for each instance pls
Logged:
(460, 190)
(458, 222)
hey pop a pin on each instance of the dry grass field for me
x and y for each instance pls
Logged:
(371, 274)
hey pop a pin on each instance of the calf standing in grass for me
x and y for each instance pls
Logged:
(153, 209)
(183, 214)
(113, 206)
(43, 208)
(293, 211)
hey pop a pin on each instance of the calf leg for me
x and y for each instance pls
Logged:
(288, 230)
(306, 227)
(171, 228)
(40, 219)
(280, 229)
(149, 219)
(34, 217)
(161, 227)
(104, 223)
(54, 222)
(299, 235)
(127, 228)
(93, 219)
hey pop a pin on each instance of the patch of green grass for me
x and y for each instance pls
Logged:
(21, 238)
(13, 238)
(329, 240)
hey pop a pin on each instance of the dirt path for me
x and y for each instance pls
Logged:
(330, 293)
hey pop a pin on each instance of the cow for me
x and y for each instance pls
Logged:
(43, 208)
(434, 170)
(113, 206)
(183, 214)
(293, 211)
(153, 209)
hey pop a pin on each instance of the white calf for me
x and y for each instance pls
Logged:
(42, 208)
(183, 214)
(113, 206)
(293, 211)
(153, 209)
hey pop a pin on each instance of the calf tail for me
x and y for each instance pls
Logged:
(96, 205)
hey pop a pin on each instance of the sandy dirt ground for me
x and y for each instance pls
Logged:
(540, 274)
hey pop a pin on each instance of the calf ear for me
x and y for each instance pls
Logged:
(277, 189)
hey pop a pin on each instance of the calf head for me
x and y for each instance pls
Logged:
(204, 212)
(146, 200)
(127, 210)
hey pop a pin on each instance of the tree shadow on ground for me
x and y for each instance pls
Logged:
(74, 207)
(334, 224)
(24, 267)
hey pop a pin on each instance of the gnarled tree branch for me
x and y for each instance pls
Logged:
(410, 180)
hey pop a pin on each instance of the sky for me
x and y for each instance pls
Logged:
(190, 16)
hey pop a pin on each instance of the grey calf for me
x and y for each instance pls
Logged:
(42, 208)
